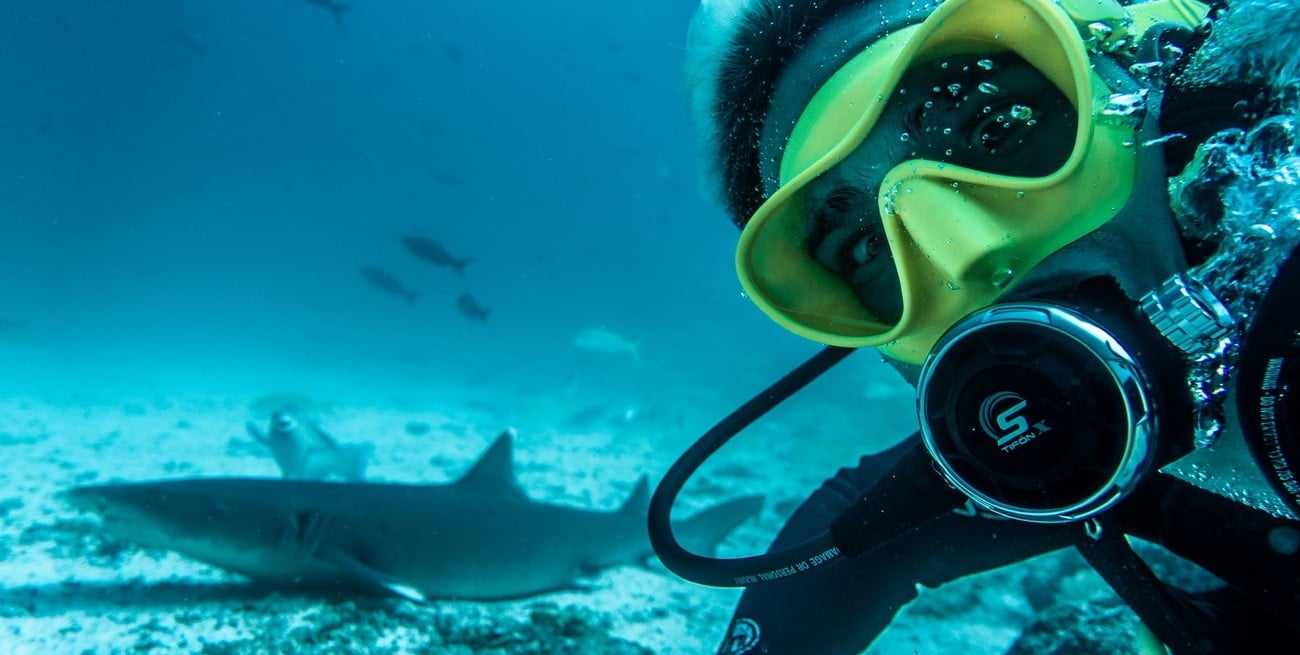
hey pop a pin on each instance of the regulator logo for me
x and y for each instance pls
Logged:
(1002, 417)
(743, 638)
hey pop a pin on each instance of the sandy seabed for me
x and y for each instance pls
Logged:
(69, 588)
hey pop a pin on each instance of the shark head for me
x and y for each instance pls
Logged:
(213, 525)
(126, 510)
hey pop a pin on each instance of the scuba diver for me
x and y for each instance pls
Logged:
(1070, 225)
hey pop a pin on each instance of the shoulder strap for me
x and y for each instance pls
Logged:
(1110, 554)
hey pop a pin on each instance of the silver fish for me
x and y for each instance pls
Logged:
(600, 340)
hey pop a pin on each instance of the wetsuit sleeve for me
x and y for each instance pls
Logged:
(841, 609)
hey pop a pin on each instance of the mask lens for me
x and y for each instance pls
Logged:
(989, 112)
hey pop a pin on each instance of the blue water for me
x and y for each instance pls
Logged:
(190, 190)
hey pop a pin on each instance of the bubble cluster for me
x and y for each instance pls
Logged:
(1239, 195)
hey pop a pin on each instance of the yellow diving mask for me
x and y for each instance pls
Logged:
(960, 237)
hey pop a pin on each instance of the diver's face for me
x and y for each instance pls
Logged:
(991, 113)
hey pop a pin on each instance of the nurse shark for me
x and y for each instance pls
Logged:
(478, 538)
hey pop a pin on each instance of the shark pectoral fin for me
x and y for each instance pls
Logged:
(370, 577)
(325, 438)
(581, 586)
(256, 433)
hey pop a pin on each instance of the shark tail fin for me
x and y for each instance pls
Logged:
(638, 504)
(460, 264)
(356, 459)
(704, 530)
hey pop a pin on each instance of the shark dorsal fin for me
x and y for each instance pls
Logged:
(494, 472)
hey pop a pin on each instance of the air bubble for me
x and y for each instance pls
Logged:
(1100, 30)
(1145, 68)
(1022, 112)
(954, 88)
(1125, 108)
(986, 64)
(989, 88)
(1003, 278)
(1171, 53)
(1260, 232)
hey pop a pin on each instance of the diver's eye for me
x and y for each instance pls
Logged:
(863, 249)
(842, 232)
(1002, 129)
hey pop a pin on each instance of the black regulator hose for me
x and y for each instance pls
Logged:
(911, 493)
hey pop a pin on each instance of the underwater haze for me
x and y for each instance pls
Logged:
(384, 236)
(192, 190)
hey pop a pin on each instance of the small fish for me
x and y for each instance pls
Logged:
(306, 452)
(431, 252)
(600, 340)
(385, 281)
(187, 40)
(335, 8)
(13, 324)
(470, 307)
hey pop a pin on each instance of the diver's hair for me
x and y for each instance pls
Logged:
(739, 49)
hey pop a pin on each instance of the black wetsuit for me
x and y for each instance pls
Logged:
(841, 609)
